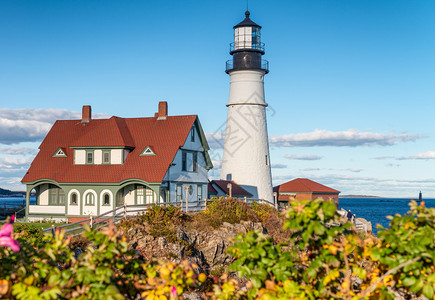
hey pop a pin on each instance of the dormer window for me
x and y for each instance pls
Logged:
(106, 157)
(147, 151)
(89, 157)
(59, 153)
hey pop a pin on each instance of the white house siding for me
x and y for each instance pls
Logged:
(74, 209)
(129, 194)
(98, 157)
(79, 157)
(116, 156)
(90, 209)
(106, 208)
(43, 194)
(177, 176)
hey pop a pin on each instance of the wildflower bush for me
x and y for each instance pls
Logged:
(325, 260)
(322, 259)
(106, 270)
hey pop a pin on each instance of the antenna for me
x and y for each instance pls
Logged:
(247, 5)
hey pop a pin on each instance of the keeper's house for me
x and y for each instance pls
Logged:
(304, 189)
(91, 166)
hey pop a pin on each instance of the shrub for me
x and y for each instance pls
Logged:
(228, 210)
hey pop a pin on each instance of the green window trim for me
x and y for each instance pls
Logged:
(56, 196)
(89, 159)
(89, 199)
(108, 153)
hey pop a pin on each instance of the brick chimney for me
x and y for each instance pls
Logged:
(86, 114)
(163, 110)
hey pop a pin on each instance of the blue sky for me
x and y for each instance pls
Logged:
(350, 88)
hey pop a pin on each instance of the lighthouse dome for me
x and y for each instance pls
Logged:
(247, 22)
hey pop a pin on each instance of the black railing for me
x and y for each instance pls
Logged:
(243, 45)
(231, 66)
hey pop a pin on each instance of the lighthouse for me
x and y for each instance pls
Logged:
(246, 158)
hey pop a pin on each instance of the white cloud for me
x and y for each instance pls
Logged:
(424, 155)
(354, 170)
(348, 138)
(278, 166)
(322, 137)
(303, 157)
(18, 151)
(30, 124)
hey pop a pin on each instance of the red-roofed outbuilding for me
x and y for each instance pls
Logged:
(90, 166)
(305, 189)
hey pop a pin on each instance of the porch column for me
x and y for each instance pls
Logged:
(28, 190)
(156, 189)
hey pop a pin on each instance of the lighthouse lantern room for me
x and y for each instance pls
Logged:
(247, 47)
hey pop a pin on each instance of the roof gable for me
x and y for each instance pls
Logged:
(236, 190)
(164, 137)
(303, 185)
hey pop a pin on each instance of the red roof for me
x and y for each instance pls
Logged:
(211, 189)
(165, 137)
(236, 190)
(303, 185)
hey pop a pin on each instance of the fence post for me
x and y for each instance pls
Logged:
(187, 198)
(275, 197)
(262, 201)
(125, 211)
(91, 223)
(52, 230)
(246, 201)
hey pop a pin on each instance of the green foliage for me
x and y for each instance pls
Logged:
(106, 270)
(228, 210)
(324, 256)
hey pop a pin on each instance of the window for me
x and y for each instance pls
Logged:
(199, 193)
(195, 162)
(56, 195)
(106, 157)
(147, 152)
(89, 157)
(192, 134)
(89, 199)
(106, 199)
(179, 193)
(139, 194)
(149, 195)
(74, 199)
(184, 161)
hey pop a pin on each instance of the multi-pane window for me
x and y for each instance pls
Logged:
(139, 194)
(199, 193)
(149, 195)
(189, 161)
(90, 157)
(106, 157)
(89, 199)
(56, 195)
(179, 193)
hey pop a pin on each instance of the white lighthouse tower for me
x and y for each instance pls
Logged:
(246, 158)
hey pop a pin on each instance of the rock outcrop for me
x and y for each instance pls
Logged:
(207, 249)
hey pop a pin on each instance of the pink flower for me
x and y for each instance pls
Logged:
(174, 293)
(5, 236)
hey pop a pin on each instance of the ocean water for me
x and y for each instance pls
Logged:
(15, 201)
(376, 210)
